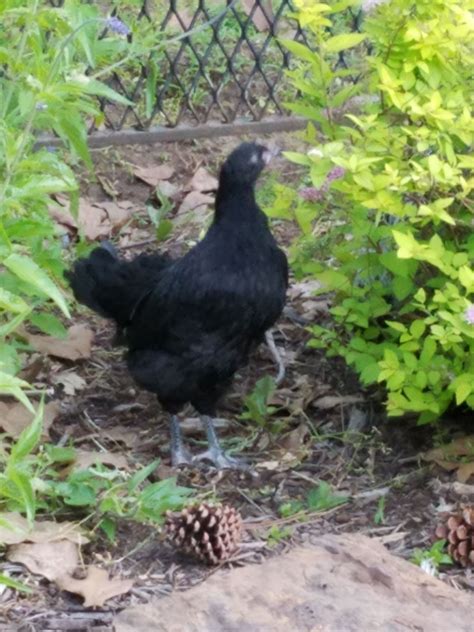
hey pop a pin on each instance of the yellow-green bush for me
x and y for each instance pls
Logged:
(397, 218)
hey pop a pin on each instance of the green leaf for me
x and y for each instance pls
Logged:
(343, 41)
(463, 390)
(71, 129)
(29, 438)
(26, 494)
(101, 90)
(321, 498)
(109, 527)
(12, 583)
(58, 454)
(11, 385)
(142, 475)
(300, 50)
(164, 229)
(12, 302)
(49, 324)
(27, 270)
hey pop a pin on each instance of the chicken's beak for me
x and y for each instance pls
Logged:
(269, 153)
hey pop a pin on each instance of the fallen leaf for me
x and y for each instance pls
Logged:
(195, 201)
(294, 440)
(96, 588)
(262, 20)
(77, 345)
(153, 175)
(14, 528)
(449, 457)
(107, 185)
(31, 371)
(122, 435)
(92, 220)
(49, 559)
(62, 216)
(85, 459)
(14, 418)
(168, 189)
(70, 381)
(462, 446)
(285, 461)
(117, 214)
(202, 181)
(331, 401)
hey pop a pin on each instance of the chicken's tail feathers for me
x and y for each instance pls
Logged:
(113, 287)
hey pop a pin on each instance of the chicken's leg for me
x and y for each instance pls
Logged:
(179, 453)
(276, 356)
(215, 453)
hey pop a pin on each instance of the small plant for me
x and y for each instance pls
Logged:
(320, 498)
(433, 557)
(256, 404)
(277, 534)
(379, 517)
(33, 483)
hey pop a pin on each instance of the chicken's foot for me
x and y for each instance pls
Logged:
(276, 356)
(180, 455)
(215, 453)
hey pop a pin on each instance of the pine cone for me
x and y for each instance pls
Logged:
(458, 530)
(212, 533)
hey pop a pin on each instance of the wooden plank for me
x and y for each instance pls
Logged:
(187, 132)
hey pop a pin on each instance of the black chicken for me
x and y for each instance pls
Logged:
(190, 323)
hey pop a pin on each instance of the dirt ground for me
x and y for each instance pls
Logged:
(327, 427)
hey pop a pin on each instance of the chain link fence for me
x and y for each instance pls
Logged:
(223, 70)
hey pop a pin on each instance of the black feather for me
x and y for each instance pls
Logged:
(192, 322)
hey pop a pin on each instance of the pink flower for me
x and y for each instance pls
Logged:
(469, 314)
(311, 194)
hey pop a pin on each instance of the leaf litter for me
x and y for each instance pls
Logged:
(14, 417)
(300, 462)
(77, 345)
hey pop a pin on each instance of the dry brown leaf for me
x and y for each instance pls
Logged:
(14, 418)
(168, 189)
(85, 459)
(62, 216)
(117, 213)
(70, 381)
(294, 440)
(331, 401)
(202, 180)
(96, 588)
(261, 20)
(92, 220)
(448, 457)
(462, 446)
(14, 528)
(153, 175)
(465, 471)
(195, 201)
(123, 435)
(284, 461)
(76, 346)
(49, 559)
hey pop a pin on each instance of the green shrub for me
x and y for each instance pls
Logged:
(389, 204)
(53, 60)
